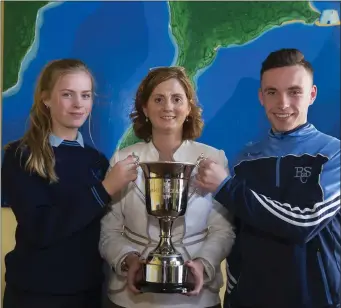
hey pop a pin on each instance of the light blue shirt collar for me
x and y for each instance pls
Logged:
(56, 141)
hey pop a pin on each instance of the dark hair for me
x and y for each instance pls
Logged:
(192, 127)
(285, 57)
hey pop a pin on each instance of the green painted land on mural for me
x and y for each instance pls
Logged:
(128, 139)
(19, 28)
(200, 27)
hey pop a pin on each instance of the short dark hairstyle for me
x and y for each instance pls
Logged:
(285, 57)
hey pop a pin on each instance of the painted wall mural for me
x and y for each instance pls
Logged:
(221, 45)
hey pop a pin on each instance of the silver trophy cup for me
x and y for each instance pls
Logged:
(166, 196)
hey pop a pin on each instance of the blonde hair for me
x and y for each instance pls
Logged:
(41, 158)
(192, 127)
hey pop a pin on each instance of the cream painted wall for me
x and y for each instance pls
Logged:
(8, 225)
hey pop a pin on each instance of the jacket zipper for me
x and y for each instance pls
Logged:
(278, 163)
(324, 278)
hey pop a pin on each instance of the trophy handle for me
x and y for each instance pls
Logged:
(199, 160)
(137, 163)
(137, 159)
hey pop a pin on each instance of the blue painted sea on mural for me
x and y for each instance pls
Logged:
(121, 41)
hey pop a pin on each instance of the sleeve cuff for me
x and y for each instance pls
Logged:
(100, 194)
(209, 271)
(221, 185)
(118, 267)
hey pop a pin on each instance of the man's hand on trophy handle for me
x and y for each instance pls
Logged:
(210, 175)
(196, 269)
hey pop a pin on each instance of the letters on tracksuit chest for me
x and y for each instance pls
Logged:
(291, 179)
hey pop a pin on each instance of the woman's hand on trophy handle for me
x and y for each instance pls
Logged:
(120, 175)
(196, 268)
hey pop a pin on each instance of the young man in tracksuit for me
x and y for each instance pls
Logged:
(285, 194)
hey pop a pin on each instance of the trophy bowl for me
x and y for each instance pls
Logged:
(166, 197)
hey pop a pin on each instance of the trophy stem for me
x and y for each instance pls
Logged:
(165, 246)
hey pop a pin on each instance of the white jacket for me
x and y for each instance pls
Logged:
(205, 230)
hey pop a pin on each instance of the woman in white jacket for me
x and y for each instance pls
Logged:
(168, 119)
